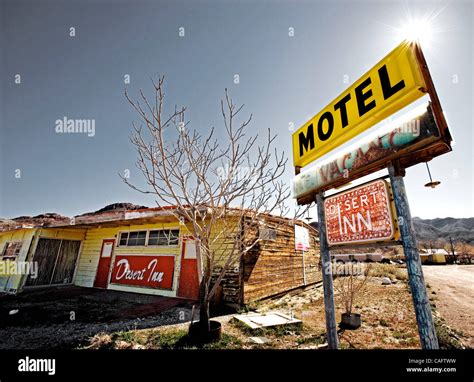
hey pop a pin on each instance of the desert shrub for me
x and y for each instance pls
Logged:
(391, 271)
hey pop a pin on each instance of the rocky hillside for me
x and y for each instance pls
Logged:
(53, 219)
(443, 228)
(43, 220)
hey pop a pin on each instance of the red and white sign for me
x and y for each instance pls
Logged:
(144, 271)
(359, 215)
(301, 238)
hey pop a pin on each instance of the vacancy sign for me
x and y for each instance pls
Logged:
(360, 215)
(393, 83)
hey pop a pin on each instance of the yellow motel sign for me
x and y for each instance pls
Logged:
(390, 85)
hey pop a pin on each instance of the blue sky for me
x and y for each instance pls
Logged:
(283, 79)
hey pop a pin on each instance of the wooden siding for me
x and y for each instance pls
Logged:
(45, 256)
(274, 267)
(56, 259)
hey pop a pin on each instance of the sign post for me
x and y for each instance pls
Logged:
(364, 215)
(330, 312)
(424, 319)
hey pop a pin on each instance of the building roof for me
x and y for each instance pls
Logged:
(111, 215)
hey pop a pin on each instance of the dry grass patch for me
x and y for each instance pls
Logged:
(171, 338)
(392, 271)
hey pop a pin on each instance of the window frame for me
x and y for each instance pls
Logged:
(16, 252)
(147, 238)
(163, 245)
(270, 232)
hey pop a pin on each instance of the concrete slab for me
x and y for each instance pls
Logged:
(259, 340)
(266, 320)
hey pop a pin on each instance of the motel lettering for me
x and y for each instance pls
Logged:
(393, 83)
(363, 98)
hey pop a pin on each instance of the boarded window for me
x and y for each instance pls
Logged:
(11, 250)
(268, 234)
(56, 261)
(66, 262)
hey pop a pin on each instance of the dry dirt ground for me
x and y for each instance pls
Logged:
(108, 319)
(66, 317)
(388, 318)
(388, 321)
(452, 289)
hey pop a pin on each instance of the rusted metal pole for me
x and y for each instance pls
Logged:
(331, 330)
(424, 319)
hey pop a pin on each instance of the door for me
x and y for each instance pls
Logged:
(188, 278)
(103, 269)
(56, 261)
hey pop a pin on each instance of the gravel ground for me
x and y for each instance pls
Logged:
(68, 317)
(70, 334)
(452, 290)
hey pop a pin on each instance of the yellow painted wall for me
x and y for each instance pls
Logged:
(222, 237)
(30, 239)
(433, 259)
(89, 257)
(13, 282)
(62, 233)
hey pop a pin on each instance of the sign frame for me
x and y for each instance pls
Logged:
(408, 152)
(390, 208)
(439, 145)
(126, 282)
(391, 84)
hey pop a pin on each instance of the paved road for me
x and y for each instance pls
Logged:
(454, 287)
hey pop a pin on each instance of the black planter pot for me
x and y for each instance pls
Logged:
(197, 335)
(350, 321)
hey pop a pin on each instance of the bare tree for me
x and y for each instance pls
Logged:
(351, 280)
(220, 186)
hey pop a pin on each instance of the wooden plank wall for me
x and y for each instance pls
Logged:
(274, 267)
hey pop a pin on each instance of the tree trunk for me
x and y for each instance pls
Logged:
(204, 316)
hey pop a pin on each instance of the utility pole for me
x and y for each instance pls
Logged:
(331, 329)
(424, 319)
(452, 248)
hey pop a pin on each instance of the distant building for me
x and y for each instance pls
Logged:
(433, 256)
